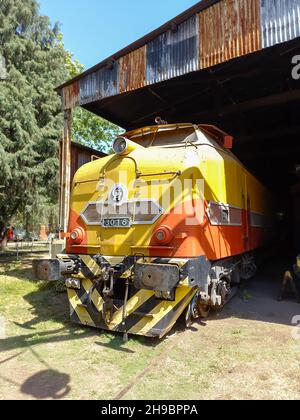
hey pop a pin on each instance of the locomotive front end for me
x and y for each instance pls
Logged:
(166, 226)
(133, 262)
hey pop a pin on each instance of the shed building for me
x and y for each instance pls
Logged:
(232, 63)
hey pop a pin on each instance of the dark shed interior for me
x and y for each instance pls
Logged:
(255, 98)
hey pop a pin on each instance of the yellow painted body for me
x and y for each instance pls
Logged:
(153, 171)
(225, 181)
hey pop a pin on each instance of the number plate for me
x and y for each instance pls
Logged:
(120, 222)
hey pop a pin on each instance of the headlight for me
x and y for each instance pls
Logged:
(120, 145)
(123, 146)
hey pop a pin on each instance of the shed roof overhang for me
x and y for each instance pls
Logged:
(254, 98)
(188, 72)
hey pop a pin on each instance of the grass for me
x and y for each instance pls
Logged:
(44, 356)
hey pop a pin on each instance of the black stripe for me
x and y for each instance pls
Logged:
(125, 265)
(164, 323)
(81, 292)
(133, 319)
(74, 317)
(94, 313)
(87, 273)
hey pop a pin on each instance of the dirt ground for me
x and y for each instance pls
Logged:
(245, 351)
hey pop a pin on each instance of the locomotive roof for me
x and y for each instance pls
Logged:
(211, 130)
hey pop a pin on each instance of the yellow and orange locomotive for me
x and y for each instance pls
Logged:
(163, 228)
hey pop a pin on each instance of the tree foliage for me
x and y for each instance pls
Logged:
(93, 131)
(30, 111)
(31, 121)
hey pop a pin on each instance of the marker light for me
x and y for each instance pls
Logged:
(77, 236)
(164, 235)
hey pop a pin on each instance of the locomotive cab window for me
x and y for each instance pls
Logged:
(168, 136)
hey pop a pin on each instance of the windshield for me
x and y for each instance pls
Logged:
(164, 136)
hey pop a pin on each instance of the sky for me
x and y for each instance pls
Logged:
(95, 29)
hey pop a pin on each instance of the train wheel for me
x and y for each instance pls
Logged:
(204, 311)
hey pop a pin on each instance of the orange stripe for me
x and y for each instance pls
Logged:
(216, 242)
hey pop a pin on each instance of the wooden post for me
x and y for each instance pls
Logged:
(65, 172)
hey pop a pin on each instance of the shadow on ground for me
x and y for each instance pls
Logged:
(257, 301)
(47, 384)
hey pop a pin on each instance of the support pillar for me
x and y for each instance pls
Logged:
(65, 172)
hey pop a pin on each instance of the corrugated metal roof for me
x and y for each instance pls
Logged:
(100, 84)
(210, 33)
(280, 20)
(174, 52)
(133, 70)
(236, 31)
(201, 5)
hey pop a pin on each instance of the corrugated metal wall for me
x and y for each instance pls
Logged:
(99, 85)
(173, 53)
(280, 21)
(226, 30)
(133, 70)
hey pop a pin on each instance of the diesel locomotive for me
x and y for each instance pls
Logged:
(164, 228)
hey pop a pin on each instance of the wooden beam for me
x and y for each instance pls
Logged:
(65, 179)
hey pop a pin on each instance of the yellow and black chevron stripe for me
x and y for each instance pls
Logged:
(145, 315)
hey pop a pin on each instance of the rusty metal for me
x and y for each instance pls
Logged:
(210, 33)
(158, 277)
(173, 53)
(100, 84)
(133, 70)
(280, 21)
(201, 5)
(46, 270)
(229, 29)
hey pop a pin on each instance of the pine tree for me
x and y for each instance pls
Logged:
(33, 61)
(30, 111)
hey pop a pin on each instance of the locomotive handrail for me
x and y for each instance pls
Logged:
(175, 173)
(86, 182)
